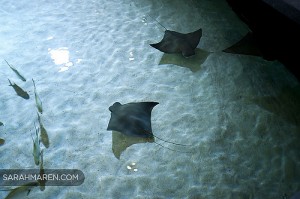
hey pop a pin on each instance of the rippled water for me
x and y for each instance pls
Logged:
(239, 114)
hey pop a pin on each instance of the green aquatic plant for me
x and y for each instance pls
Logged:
(19, 90)
(38, 101)
(36, 147)
(2, 141)
(21, 189)
(43, 133)
(16, 71)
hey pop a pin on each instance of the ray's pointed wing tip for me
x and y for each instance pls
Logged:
(156, 45)
(153, 103)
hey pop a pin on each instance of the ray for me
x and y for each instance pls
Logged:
(132, 119)
(131, 124)
(175, 42)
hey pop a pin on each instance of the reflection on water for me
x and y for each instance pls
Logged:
(61, 56)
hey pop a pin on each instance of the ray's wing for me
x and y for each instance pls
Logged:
(193, 38)
(138, 121)
(169, 44)
(175, 42)
(132, 119)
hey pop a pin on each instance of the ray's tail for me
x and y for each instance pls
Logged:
(158, 22)
(169, 142)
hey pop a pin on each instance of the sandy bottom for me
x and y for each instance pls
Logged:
(238, 114)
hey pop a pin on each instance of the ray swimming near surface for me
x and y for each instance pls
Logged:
(175, 42)
(133, 121)
(181, 49)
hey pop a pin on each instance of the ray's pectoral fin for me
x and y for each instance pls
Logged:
(130, 124)
(194, 38)
(175, 42)
(169, 43)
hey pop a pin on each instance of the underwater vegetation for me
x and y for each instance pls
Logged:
(16, 72)
(20, 92)
(38, 101)
(132, 119)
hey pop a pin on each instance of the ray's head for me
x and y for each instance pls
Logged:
(115, 106)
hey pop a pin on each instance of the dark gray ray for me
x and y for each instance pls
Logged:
(132, 119)
(175, 42)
